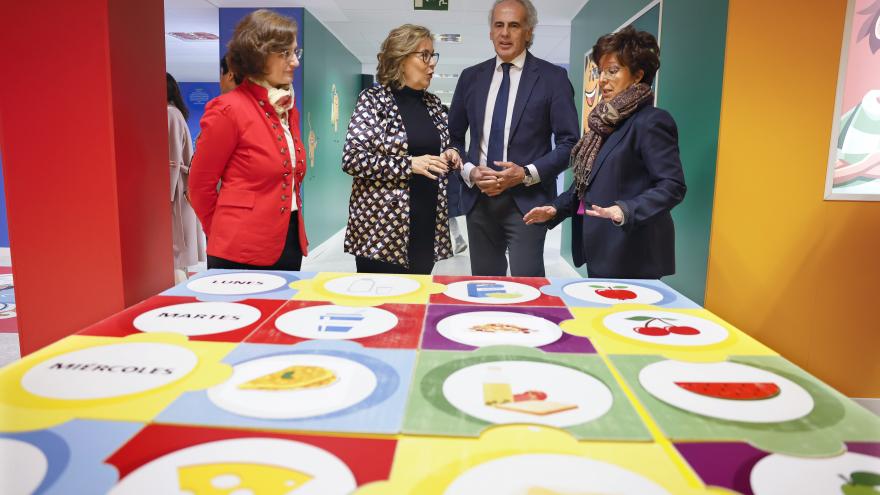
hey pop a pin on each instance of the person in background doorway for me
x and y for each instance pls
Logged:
(398, 219)
(228, 79)
(516, 107)
(453, 191)
(250, 143)
(186, 233)
(627, 170)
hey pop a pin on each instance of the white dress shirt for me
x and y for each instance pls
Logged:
(497, 76)
(292, 149)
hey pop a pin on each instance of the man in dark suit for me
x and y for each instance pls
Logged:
(515, 106)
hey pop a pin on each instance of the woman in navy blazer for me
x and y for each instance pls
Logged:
(627, 170)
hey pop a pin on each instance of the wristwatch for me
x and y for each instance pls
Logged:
(528, 179)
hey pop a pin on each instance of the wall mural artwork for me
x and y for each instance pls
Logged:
(334, 112)
(854, 158)
(313, 140)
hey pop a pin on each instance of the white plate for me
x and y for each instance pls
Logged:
(491, 292)
(330, 476)
(785, 475)
(709, 331)
(464, 390)
(793, 402)
(331, 322)
(198, 318)
(517, 474)
(109, 371)
(372, 286)
(354, 383)
(458, 328)
(229, 284)
(22, 467)
(633, 294)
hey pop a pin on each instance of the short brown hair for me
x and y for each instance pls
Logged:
(400, 43)
(637, 50)
(259, 34)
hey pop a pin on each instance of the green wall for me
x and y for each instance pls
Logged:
(326, 188)
(689, 87)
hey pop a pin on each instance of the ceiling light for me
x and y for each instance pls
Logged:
(196, 36)
(448, 38)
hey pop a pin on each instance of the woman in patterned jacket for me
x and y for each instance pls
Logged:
(396, 150)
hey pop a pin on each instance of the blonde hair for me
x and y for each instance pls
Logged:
(400, 43)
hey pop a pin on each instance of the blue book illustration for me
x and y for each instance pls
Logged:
(338, 322)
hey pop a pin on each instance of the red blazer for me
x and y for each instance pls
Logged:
(242, 145)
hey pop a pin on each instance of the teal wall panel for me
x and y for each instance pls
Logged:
(689, 87)
(326, 188)
(691, 74)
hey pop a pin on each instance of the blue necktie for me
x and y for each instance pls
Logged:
(495, 151)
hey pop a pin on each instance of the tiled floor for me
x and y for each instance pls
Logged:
(9, 351)
(328, 257)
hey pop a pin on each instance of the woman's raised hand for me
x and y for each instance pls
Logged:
(613, 213)
(428, 165)
(539, 214)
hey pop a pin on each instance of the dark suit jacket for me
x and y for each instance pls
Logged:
(544, 108)
(639, 169)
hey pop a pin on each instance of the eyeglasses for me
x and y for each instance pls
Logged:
(609, 73)
(429, 58)
(289, 54)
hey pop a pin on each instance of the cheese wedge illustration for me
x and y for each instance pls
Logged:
(292, 378)
(229, 478)
(536, 407)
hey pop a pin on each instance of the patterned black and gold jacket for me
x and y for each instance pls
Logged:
(375, 154)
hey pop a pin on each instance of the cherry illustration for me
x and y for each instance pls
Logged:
(682, 330)
(618, 292)
(652, 331)
(657, 331)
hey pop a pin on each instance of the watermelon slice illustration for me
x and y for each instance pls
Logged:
(732, 390)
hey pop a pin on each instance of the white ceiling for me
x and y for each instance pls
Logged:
(362, 25)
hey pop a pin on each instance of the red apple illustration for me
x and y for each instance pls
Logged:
(618, 292)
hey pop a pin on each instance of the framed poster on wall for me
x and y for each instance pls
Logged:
(854, 157)
(592, 94)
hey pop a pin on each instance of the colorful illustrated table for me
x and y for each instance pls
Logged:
(242, 383)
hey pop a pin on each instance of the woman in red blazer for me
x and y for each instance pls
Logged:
(250, 144)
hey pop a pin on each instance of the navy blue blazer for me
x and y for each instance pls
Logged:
(544, 109)
(639, 169)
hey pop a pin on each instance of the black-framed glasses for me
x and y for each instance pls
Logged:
(289, 54)
(429, 58)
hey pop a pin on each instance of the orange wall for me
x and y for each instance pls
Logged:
(799, 273)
